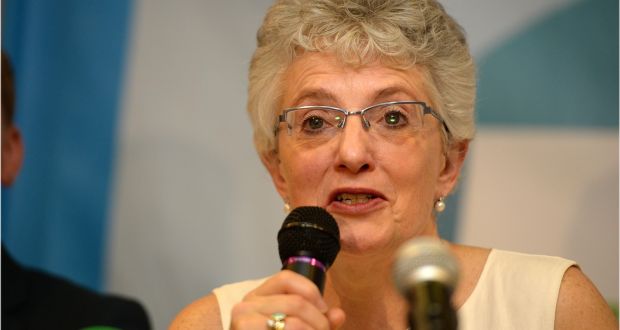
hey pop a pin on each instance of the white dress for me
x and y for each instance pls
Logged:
(515, 291)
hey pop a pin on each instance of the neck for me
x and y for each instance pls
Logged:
(362, 286)
(360, 282)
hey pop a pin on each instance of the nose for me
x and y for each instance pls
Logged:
(355, 148)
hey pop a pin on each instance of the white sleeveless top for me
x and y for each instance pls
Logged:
(515, 291)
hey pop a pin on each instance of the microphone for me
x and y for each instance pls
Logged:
(308, 243)
(426, 273)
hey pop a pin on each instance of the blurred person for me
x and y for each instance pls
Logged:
(33, 299)
(366, 108)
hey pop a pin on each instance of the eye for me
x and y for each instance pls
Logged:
(314, 122)
(394, 118)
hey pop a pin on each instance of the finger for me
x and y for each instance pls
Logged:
(248, 321)
(257, 320)
(288, 282)
(336, 318)
(294, 323)
(289, 304)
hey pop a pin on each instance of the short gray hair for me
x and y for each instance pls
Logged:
(400, 33)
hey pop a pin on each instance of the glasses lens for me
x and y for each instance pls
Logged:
(396, 119)
(308, 123)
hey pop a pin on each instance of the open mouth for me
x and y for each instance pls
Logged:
(351, 199)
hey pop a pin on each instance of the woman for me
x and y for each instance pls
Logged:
(365, 108)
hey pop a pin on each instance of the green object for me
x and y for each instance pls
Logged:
(614, 308)
(100, 327)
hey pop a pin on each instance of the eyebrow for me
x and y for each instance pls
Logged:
(389, 92)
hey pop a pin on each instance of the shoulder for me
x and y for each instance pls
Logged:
(580, 305)
(527, 267)
(470, 255)
(53, 300)
(558, 284)
(531, 272)
(203, 313)
(479, 261)
(471, 261)
(212, 311)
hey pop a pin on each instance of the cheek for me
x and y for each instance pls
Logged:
(412, 163)
(304, 172)
(415, 175)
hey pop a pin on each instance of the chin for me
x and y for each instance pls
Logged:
(366, 243)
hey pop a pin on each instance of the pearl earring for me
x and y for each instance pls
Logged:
(440, 205)
(287, 208)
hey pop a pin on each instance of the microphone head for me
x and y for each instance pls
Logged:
(424, 259)
(310, 231)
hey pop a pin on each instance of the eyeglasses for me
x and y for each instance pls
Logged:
(389, 120)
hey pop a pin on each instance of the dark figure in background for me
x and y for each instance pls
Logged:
(33, 299)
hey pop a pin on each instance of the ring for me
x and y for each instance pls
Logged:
(276, 321)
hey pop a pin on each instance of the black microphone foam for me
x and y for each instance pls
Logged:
(309, 232)
(310, 229)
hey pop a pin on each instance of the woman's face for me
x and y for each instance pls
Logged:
(380, 191)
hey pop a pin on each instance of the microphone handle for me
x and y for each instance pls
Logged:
(431, 308)
(309, 267)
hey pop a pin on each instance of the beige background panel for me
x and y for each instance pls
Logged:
(546, 191)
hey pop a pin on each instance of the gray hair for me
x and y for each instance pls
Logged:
(400, 33)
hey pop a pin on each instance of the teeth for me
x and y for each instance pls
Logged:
(350, 199)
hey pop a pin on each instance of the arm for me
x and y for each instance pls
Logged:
(580, 305)
(201, 314)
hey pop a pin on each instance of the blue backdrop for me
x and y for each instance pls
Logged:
(68, 58)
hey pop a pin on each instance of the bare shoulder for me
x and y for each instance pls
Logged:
(580, 305)
(203, 313)
(471, 258)
(471, 261)
(468, 251)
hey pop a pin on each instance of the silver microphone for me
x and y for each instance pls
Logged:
(426, 273)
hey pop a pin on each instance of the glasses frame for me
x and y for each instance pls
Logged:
(365, 123)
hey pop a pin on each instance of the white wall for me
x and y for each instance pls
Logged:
(194, 208)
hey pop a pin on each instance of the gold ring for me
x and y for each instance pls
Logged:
(276, 321)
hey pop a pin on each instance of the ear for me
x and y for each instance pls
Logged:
(453, 164)
(12, 154)
(271, 160)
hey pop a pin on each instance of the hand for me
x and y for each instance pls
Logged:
(289, 293)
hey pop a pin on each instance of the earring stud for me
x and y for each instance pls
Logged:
(440, 205)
